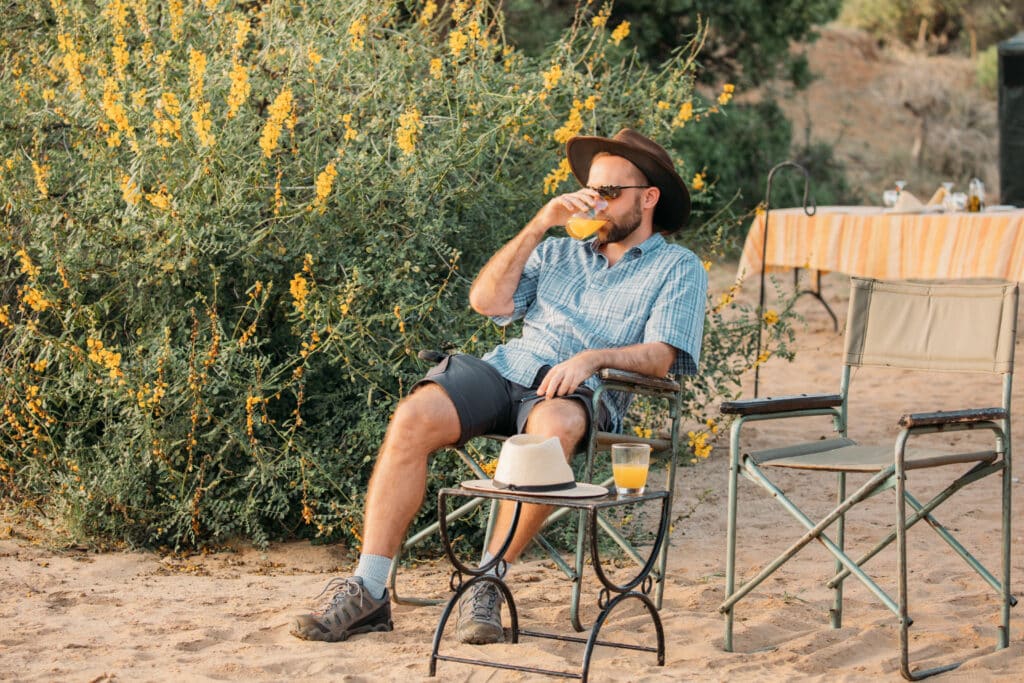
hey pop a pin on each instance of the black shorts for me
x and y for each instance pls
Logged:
(487, 403)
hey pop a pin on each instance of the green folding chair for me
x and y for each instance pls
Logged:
(663, 450)
(964, 327)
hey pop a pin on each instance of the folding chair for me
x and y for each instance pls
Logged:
(662, 449)
(917, 326)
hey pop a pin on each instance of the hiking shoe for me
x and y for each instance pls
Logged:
(480, 615)
(350, 610)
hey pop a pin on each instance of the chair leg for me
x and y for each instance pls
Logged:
(904, 611)
(1006, 596)
(577, 579)
(836, 615)
(730, 548)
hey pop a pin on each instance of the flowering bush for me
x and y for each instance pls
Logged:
(229, 227)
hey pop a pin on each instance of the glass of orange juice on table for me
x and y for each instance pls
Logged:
(585, 223)
(630, 462)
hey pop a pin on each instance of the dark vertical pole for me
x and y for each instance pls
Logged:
(809, 209)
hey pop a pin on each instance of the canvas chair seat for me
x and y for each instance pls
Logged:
(844, 455)
(948, 327)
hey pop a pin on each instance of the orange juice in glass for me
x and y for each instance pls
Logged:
(630, 462)
(585, 223)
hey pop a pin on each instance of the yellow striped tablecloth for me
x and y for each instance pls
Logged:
(873, 242)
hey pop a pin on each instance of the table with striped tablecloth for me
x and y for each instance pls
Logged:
(879, 243)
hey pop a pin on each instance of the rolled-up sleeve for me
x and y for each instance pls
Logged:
(526, 290)
(677, 317)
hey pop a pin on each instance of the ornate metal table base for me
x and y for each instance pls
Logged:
(635, 589)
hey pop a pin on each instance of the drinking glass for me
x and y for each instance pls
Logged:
(947, 196)
(585, 223)
(889, 198)
(630, 462)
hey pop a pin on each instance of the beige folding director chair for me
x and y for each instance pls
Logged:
(663, 450)
(963, 327)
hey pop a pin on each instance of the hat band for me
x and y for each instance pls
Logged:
(536, 487)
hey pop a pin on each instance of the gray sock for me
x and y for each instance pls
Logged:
(374, 570)
(487, 557)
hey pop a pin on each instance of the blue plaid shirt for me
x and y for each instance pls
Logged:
(571, 301)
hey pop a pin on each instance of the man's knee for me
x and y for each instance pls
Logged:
(565, 418)
(427, 414)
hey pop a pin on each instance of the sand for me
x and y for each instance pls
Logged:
(76, 615)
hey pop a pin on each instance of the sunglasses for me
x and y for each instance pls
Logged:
(609, 192)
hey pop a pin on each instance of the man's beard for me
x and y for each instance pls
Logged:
(620, 230)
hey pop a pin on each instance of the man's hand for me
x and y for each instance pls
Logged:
(567, 376)
(558, 210)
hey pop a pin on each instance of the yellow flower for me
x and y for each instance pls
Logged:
(102, 356)
(27, 267)
(299, 288)
(314, 57)
(196, 74)
(139, 98)
(552, 76)
(770, 317)
(601, 18)
(5, 315)
(203, 125)
(161, 199)
(685, 114)
(129, 190)
(240, 88)
(409, 127)
(72, 61)
(457, 41)
(698, 182)
(620, 32)
(241, 34)
(166, 123)
(39, 365)
(572, 126)
(279, 111)
(42, 174)
(557, 177)
(176, 10)
(356, 32)
(707, 266)
(324, 182)
(113, 107)
(428, 12)
(663, 105)
(350, 132)
(436, 67)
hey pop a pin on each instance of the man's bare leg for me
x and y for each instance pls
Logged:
(566, 419)
(424, 422)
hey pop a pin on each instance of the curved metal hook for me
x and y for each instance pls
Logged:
(810, 210)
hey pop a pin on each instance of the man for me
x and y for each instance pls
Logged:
(624, 299)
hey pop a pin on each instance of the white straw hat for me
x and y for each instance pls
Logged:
(535, 466)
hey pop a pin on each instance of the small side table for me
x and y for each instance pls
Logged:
(635, 589)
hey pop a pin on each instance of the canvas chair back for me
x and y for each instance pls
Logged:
(968, 327)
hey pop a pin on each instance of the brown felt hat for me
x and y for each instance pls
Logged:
(673, 208)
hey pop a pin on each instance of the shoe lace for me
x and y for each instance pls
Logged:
(342, 588)
(484, 599)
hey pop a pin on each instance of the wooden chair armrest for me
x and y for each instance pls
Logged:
(638, 380)
(946, 417)
(781, 404)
